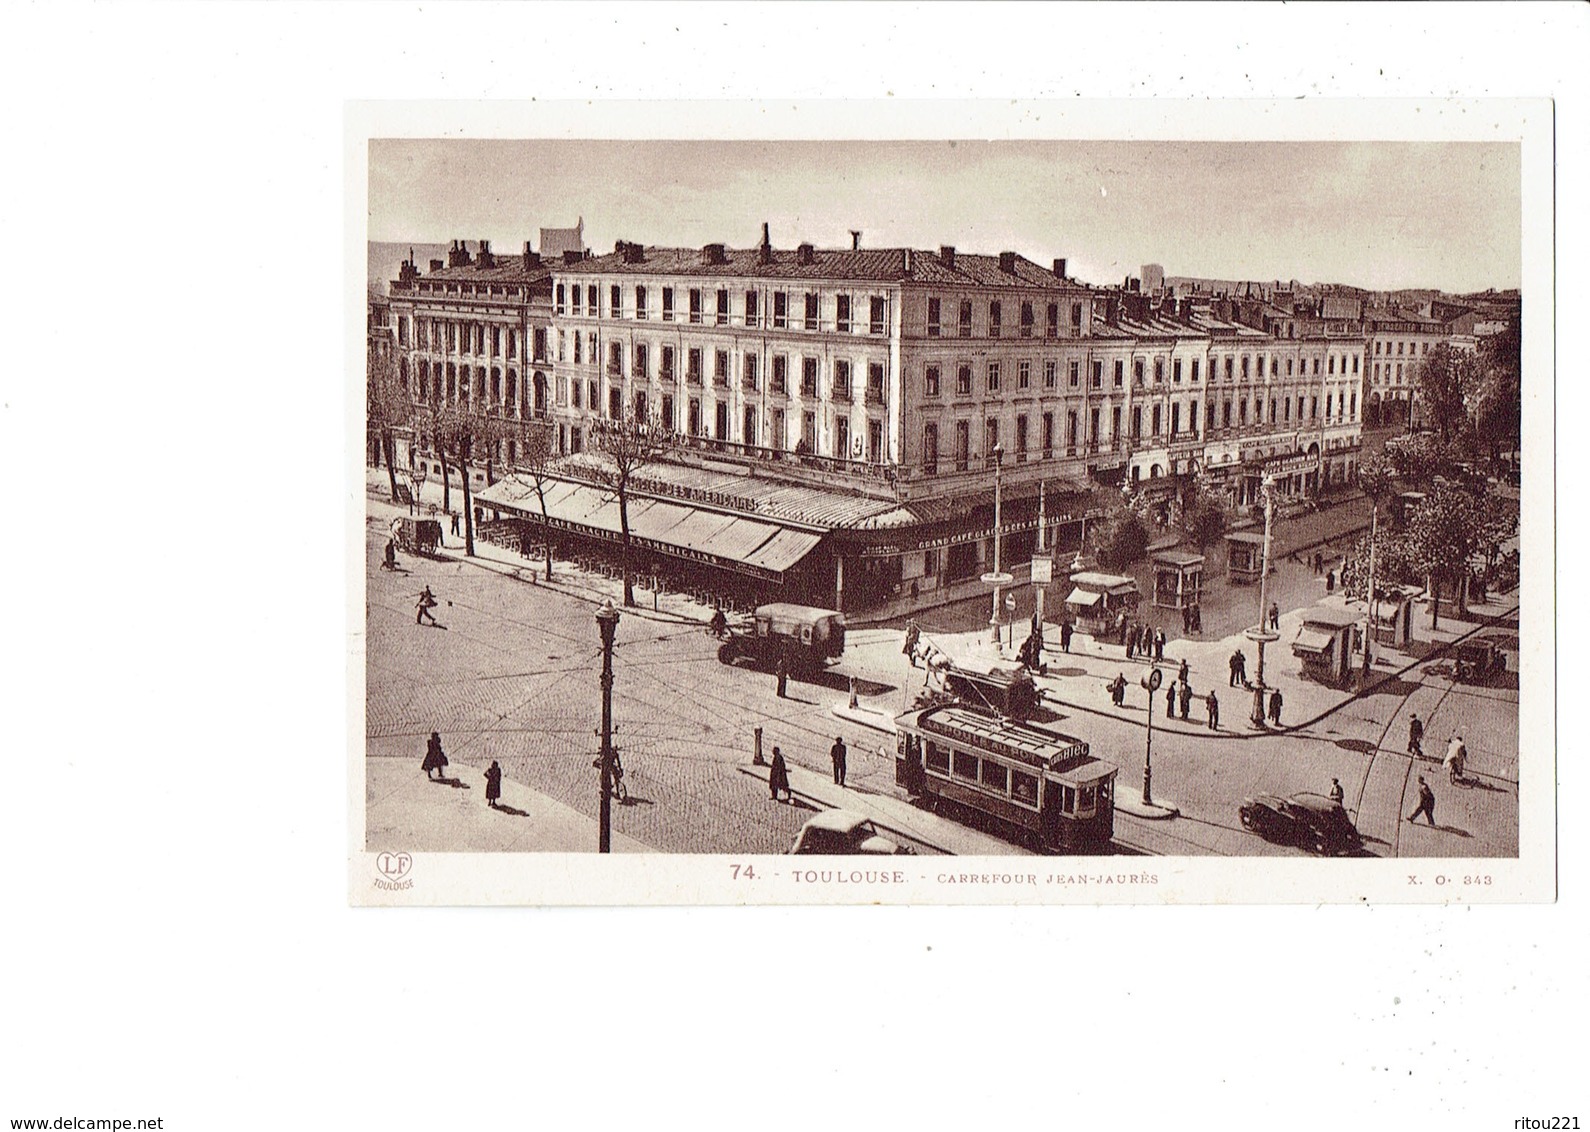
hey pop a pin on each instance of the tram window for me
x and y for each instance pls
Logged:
(1104, 791)
(1085, 799)
(938, 758)
(965, 765)
(995, 777)
(1024, 787)
(1068, 800)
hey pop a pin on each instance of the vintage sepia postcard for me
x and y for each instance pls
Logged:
(951, 503)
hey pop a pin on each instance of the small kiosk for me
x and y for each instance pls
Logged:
(1100, 602)
(1404, 505)
(1244, 556)
(1393, 619)
(1178, 579)
(1325, 644)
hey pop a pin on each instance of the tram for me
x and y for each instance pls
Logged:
(1041, 786)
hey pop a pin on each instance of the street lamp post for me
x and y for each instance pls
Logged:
(1261, 633)
(417, 481)
(1152, 679)
(996, 577)
(1369, 593)
(607, 623)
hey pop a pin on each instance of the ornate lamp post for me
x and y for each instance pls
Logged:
(1152, 679)
(417, 482)
(1261, 633)
(607, 623)
(996, 577)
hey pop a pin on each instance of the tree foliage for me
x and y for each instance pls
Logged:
(1447, 379)
(1496, 405)
(1443, 534)
(537, 458)
(626, 446)
(1199, 512)
(387, 407)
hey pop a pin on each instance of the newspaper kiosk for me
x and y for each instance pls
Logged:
(1100, 602)
(1325, 644)
(1178, 579)
(1244, 556)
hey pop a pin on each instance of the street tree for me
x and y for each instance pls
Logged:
(1496, 406)
(626, 446)
(1395, 565)
(1419, 458)
(537, 457)
(454, 431)
(1199, 513)
(1443, 532)
(1121, 538)
(1446, 379)
(387, 408)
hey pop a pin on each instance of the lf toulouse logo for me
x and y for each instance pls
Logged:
(394, 868)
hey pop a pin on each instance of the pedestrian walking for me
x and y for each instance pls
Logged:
(1186, 620)
(1065, 636)
(493, 784)
(1457, 756)
(1125, 635)
(1416, 737)
(1131, 640)
(423, 607)
(1235, 664)
(1186, 698)
(1170, 701)
(1117, 689)
(1214, 711)
(1330, 581)
(1319, 563)
(1159, 645)
(1275, 615)
(1182, 671)
(781, 675)
(912, 635)
(435, 761)
(389, 556)
(837, 754)
(1337, 793)
(1275, 707)
(1242, 668)
(778, 777)
(1146, 645)
(455, 522)
(1198, 617)
(1426, 802)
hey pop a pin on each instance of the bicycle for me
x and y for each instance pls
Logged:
(616, 783)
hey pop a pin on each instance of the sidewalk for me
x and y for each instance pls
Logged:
(407, 812)
(567, 578)
(892, 815)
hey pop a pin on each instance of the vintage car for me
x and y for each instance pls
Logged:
(805, 638)
(844, 832)
(1310, 820)
(1478, 659)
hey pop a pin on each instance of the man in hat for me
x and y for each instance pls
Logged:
(837, 754)
(1214, 711)
(1337, 793)
(1426, 802)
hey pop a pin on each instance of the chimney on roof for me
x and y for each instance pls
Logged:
(804, 255)
(947, 256)
(1060, 267)
(531, 259)
(764, 252)
(1007, 262)
(714, 254)
(486, 258)
(908, 260)
(855, 240)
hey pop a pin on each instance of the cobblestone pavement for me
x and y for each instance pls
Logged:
(513, 676)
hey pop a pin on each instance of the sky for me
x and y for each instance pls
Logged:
(1378, 215)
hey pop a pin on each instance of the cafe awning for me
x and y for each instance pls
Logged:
(741, 542)
(1082, 597)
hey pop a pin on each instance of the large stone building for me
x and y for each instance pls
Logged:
(840, 416)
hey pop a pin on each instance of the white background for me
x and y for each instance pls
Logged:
(177, 940)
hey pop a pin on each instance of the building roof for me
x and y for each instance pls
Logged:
(869, 265)
(506, 269)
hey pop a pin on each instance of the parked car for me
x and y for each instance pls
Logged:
(844, 832)
(1310, 820)
(1478, 659)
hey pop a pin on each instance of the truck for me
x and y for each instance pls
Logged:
(803, 637)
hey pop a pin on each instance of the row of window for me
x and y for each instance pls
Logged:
(1413, 348)
(476, 338)
(846, 373)
(1280, 414)
(844, 315)
(993, 326)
